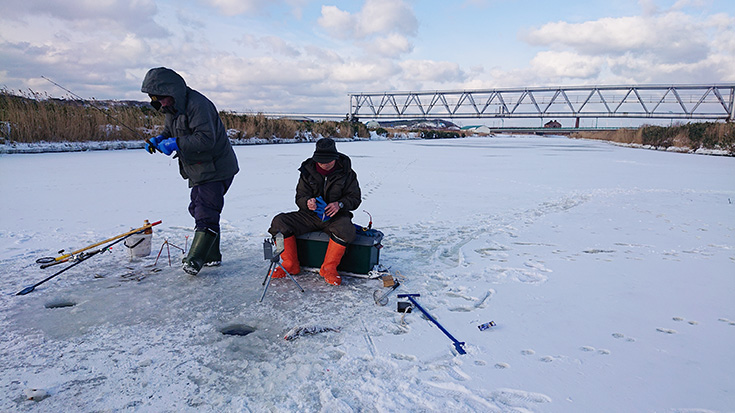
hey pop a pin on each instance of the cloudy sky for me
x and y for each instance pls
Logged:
(303, 56)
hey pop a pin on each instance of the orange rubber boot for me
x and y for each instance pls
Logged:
(290, 259)
(331, 261)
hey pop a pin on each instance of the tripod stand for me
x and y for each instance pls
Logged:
(168, 246)
(275, 258)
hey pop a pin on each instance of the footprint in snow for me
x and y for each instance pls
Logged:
(691, 323)
(528, 352)
(457, 374)
(621, 336)
(478, 304)
(518, 398)
(525, 276)
(666, 330)
(591, 349)
(536, 266)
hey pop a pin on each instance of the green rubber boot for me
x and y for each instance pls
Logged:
(200, 246)
(214, 258)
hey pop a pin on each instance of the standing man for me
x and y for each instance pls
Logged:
(196, 133)
(326, 193)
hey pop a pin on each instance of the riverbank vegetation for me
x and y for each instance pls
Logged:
(687, 136)
(29, 117)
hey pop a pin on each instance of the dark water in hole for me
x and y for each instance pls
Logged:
(236, 330)
(60, 303)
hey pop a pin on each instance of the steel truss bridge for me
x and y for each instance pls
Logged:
(703, 101)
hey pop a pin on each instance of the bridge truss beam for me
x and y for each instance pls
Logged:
(703, 101)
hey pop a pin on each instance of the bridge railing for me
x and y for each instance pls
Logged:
(702, 101)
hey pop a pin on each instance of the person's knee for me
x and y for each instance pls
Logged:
(343, 231)
(278, 225)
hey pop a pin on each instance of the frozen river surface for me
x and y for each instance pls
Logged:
(608, 271)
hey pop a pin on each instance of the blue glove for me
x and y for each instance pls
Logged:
(154, 142)
(168, 146)
(320, 205)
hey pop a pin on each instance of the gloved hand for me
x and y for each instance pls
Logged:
(168, 146)
(154, 142)
(320, 205)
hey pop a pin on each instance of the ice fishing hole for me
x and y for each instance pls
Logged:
(60, 303)
(236, 330)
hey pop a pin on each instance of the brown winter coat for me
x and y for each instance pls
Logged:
(339, 186)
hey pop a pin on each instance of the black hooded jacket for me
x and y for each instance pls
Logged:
(205, 153)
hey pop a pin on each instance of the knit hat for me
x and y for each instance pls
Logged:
(326, 151)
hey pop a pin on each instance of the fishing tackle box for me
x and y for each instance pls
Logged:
(361, 255)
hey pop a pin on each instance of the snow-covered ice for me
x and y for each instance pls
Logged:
(609, 272)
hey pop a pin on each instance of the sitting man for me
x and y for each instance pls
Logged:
(326, 193)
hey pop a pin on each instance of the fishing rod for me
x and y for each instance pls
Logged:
(78, 259)
(109, 116)
(48, 261)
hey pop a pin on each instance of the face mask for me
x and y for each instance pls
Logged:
(168, 109)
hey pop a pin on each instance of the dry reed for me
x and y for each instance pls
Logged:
(29, 117)
(692, 136)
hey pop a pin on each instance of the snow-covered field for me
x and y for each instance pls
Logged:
(609, 271)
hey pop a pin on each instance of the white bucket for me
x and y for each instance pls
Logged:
(139, 245)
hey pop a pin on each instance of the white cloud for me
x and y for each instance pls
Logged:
(130, 48)
(361, 72)
(277, 64)
(381, 26)
(280, 46)
(339, 23)
(380, 16)
(272, 44)
(235, 7)
(432, 71)
(556, 65)
(327, 56)
(134, 16)
(269, 71)
(392, 45)
(659, 47)
(649, 7)
(255, 7)
(671, 37)
(724, 29)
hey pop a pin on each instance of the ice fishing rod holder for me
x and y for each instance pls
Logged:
(458, 345)
(274, 255)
